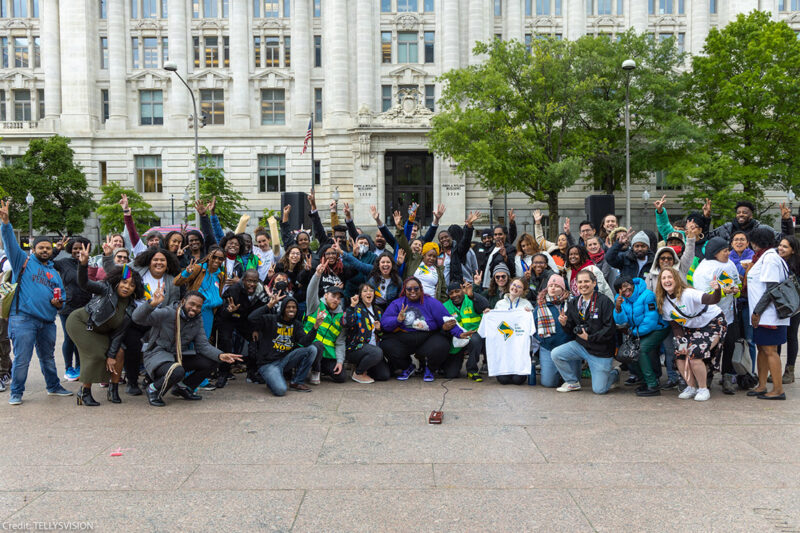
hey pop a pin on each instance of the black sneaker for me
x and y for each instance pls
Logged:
(185, 393)
(632, 380)
(647, 391)
(669, 385)
(221, 381)
(256, 378)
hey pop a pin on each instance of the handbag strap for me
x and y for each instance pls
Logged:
(19, 284)
(671, 301)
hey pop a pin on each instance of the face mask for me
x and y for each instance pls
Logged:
(363, 249)
(281, 286)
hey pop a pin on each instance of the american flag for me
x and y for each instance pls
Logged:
(308, 138)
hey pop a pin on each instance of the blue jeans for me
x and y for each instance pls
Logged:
(26, 332)
(272, 372)
(68, 348)
(669, 357)
(568, 357)
(548, 373)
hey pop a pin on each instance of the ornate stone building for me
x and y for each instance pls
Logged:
(363, 70)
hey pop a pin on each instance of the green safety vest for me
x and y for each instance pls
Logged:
(466, 317)
(328, 331)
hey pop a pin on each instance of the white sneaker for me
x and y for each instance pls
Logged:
(314, 380)
(569, 387)
(702, 395)
(688, 393)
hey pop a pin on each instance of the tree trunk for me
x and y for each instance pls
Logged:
(552, 207)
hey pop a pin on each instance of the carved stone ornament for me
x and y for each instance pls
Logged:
(364, 142)
(407, 21)
(410, 109)
(364, 117)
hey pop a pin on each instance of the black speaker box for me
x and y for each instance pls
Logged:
(299, 216)
(598, 206)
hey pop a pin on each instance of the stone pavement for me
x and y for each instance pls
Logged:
(363, 458)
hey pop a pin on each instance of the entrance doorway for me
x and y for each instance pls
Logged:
(409, 178)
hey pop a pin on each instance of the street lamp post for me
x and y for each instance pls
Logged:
(791, 197)
(172, 66)
(490, 197)
(628, 66)
(172, 207)
(186, 199)
(645, 199)
(29, 201)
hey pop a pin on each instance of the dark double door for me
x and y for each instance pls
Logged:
(409, 178)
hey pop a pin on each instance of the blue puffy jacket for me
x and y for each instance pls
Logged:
(639, 311)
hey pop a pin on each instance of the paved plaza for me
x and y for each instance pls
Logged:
(363, 458)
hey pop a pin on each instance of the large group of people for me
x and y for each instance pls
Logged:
(186, 311)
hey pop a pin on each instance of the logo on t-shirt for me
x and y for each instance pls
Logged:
(506, 330)
(677, 318)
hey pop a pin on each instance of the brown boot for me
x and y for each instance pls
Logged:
(788, 374)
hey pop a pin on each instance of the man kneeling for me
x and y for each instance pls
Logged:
(280, 339)
(168, 356)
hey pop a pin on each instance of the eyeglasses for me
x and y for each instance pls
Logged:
(413, 289)
(540, 263)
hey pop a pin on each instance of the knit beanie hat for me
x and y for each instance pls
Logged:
(642, 238)
(714, 246)
(557, 280)
(501, 268)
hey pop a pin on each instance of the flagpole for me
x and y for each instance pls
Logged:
(312, 154)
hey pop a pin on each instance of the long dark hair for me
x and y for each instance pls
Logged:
(793, 261)
(284, 265)
(583, 255)
(169, 236)
(394, 274)
(114, 277)
(211, 249)
(143, 260)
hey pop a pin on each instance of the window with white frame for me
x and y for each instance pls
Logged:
(212, 104)
(407, 47)
(104, 107)
(103, 53)
(317, 9)
(211, 51)
(386, 98)
(2, 105)
(430, 97)
(317, 50)
(40, 103)
(429, 46)
(146, 9)
(386, 47)
(4, 52)
(273, 107)
(21, 52)
(274, 8)
(148, 51)
(24, 9)
(22, 105)
(151, 108)
(37, 52)
(783, 5)
(406, 6)
(271, 173)
(103, 9)
(317, 104)
(498, 8)
(211, 9)
(212, 161)
(148, 173)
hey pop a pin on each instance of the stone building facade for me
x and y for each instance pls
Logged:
(364, 71)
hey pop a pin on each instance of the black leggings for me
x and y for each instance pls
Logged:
(512, 379)
(202, 367)
(791, 341)
(369, 359)
(134, 336)
(430, 347)
(225, 328)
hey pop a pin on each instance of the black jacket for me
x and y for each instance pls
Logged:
(511, 253)
(626, 262)
(102, 306)
(277, 337)
(729, 228)
(538, 283)
(598, 323)
(74, 297)
(240, 297)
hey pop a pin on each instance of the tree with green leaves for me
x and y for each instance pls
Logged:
(62, 200)
(659, 133)
(213, 183)
(511, 120)
(110, 211)
(744, 93)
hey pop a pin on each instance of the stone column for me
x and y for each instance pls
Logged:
(450, 43)
(77, 79)
(514, 20)
(337, 72)
(699, 25)
(365, 54)
(301, 63)
(476, 18)
(179, 105)
(51, 60)
(638, 15)
(575, 18)
(118, 67)
(240, 56)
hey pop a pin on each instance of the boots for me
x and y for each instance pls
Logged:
(727, 384)
(85, 397)
(133, 386)
(788, 374)
(113, 393)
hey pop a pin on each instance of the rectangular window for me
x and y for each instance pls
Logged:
(712, 6)
(427, 6)
(542, 7)
(2, 105)
(663, 37)
(210, 9)
(149, 9)
(135, 52)
(211, 52)
(287, 51)
(134, 9)
(257, 51)
(404, 6)
(164, 50)
(620, 7)
(271, 9)
(148, 173)
(2, 10)
(664, 7)
(35, 9)
(317, 50)
(37, 52)
(317, 104)
(212, 161)
(386, 6)
(196, 47)
(164, 9)
(271, 173)
(407, 47)
(430, 96)
(386, 98)
(498, 8)
(558, 8)
(287, 8)
(103, 9)
(150, 52)
(386, 47)
(272, 51)
(273, 107)
(603, 7)
(4, 51)
(589, 7)
(103, 173)
(528, 41)
(681, 7)
(103, 53)
(151, 108)
(212, 105)
(226, 52)
(21, 58)
(40, 102)
(225, 9)
(317, 172)
(104, 110)
(20, 9)
(651, 7)
(22, 104)
(429, 40)
(681, 42)
(195, 9)
(317, 8)
(781, 5)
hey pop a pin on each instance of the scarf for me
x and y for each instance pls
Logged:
(758, 255)
(598, 257)
(545, 321)
(573, 277)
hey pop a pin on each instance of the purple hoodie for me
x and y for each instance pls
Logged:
(429, 309)
(747, 253)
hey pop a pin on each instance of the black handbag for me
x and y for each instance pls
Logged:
(629, 350)
(786, 295)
